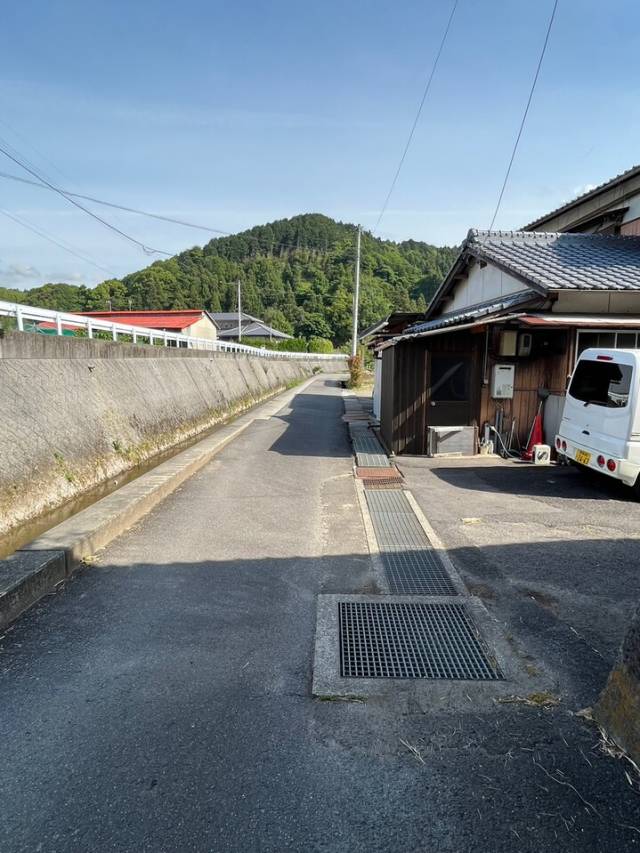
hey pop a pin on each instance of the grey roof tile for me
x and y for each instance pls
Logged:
(562, 261)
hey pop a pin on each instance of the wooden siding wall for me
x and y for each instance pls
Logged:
(405, 403)
(548, 370)
(410, 430)
(387, 397)
(404, 388)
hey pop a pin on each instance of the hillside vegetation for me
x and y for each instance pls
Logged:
(296, 273)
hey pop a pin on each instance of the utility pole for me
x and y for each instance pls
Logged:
(239, 311)
(356, 296)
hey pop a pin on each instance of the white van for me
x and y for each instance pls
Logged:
(600, 425)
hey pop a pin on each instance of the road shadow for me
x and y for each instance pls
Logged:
(527, 480)
(149, 690)
(314, 427)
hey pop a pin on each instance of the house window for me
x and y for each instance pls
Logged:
(611, 339)
(449, 378)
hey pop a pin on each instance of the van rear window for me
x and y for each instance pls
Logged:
(602, 383)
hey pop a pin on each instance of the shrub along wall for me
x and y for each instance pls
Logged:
(78, 412)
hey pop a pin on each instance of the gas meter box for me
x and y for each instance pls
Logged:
(502, 380)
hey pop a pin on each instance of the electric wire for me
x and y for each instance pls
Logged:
(417, 117)
(146, 249)
(138, 212)
(5, 124)
(524, 116)
(30, 227)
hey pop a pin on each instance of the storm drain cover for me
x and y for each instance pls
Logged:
(381, 474)
(411, 640)
(416, 573)
(369, 453)
(392, 502)
(396, 531)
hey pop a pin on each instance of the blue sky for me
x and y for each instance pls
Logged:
(237, 114)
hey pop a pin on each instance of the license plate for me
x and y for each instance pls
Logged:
(583, 457)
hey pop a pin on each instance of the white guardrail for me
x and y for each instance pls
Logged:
(138, 334)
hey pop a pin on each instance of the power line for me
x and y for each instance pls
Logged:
(55, 242)
(159, 216)
(417, 118)
(123, 207)
(35, 150)
(146, 249)
(524, 116)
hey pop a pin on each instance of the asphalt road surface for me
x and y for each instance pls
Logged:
(161, 701)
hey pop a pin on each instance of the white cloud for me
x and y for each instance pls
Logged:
(20, 274)
(583, 188)
(66, 277)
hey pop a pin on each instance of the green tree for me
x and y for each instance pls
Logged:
(297, 275)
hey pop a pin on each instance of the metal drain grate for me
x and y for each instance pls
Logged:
(382, 483)
(412, 640)
(390, 473)
(369, 453)
(398, 531)
(364, 442)
(391, 502)
(416, 573)
(411, 565)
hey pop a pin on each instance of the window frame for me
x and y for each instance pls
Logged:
(601, 330)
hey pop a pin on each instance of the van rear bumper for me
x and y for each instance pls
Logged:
(625, 470)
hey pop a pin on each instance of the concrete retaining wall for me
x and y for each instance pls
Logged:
(77, 412)
(618, 709)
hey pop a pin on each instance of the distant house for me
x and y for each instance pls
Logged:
(194, 323)
(251, 327)
(504, 329)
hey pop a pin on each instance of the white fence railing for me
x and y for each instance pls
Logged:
(138, 334)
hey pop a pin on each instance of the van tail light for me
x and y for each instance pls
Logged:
(557, 443)
(564, 444)
(604, 358)
(601, 461)
(611, 465)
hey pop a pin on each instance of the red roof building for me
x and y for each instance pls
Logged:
(193, 322)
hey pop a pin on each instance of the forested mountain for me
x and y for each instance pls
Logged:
(296, 273)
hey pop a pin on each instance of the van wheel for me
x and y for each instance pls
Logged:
(636, 488)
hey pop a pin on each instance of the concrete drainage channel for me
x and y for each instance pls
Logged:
(423, 628)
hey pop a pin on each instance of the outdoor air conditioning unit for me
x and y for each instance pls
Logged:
(452, 440)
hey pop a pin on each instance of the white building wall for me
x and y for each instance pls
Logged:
(204, 328)
(377, 387)
(481, 285)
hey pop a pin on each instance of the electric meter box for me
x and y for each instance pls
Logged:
(502, 380)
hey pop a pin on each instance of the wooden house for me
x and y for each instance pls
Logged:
(503, 332)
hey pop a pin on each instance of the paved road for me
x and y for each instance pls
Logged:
(162, 701)
(553, 552)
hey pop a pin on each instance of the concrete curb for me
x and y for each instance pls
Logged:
(40, 566)
(24, 578)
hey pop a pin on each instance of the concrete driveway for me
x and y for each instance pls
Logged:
(552, 551)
